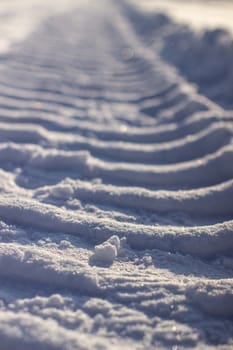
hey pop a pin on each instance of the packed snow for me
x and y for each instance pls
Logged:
(116, 177)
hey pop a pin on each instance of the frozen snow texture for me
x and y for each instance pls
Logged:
(116, 181)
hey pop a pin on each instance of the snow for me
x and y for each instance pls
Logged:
(116, 177)
(108, 250)
(198, 14)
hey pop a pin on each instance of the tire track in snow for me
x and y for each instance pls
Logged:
(96, 131)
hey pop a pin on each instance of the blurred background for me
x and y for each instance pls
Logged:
(197, 13)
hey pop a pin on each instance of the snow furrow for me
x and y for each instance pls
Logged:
(207, 241)
(170, 152)
(214, 200)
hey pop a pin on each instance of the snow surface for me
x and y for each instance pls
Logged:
(198, 14)
(116, 179)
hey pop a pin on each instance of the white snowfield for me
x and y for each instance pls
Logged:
(116, 179)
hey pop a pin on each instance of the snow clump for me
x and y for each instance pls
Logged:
(108, 250)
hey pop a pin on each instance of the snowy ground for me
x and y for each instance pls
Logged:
(198, 14)
(116, 153)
